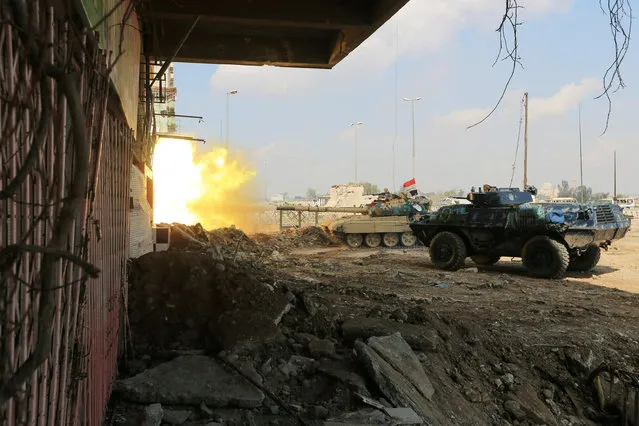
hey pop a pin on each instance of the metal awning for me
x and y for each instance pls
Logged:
(292, 33)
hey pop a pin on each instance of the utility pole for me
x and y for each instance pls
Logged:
(355, 125)
(525, 139)
(266, 180)
(412, 103)
(581, 162)
(230, 92)
(614, 194)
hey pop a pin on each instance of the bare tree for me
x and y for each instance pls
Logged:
(619, 13)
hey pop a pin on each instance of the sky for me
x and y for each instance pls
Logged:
(294, 124)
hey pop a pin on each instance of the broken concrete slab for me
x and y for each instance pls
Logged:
(533, 408)
(404, 416)
(418, 337)
(152, 415)
(400, 356)
(350, 378)
(191, 380)
(176, 417)
(360, 418)
(393, 383)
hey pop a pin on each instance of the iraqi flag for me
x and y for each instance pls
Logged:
(410, 185)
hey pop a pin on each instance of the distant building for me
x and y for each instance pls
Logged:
(348, 196)
(164, 97)
(279, 198)
(547, 191)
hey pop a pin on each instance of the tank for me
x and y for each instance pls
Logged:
(551, 238)
(383, 222)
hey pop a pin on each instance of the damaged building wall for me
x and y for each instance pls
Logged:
(141, 211)
(122, 41)
(64, 243)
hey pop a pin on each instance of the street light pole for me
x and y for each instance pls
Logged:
(412, 104)
(355, 125)
(230, 92)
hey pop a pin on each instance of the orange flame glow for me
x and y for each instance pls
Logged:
(212, 190)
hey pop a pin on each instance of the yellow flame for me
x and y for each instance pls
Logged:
(212, 190)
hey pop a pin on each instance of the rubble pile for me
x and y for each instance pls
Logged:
(233, 245)
(276, 355)
(185, 237)
(312, 341)
(311, 236)
(188, 300)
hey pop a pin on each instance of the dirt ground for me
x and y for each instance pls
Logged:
(619, 266)
(499, 347)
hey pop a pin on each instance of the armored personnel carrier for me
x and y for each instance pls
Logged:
(385, 221)
(549, 237)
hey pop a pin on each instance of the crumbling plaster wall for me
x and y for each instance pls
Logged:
(141, 216)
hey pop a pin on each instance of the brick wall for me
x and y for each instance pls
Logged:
(141, 218)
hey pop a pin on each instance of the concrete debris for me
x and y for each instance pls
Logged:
(319, 348)
(400, 416)
(400, 356)
(185, 237)
(350, 378)
(284, 241)
(404, 416)
(176, 417)
(419, 338)
(323, 334)
(151, 415)
(361, 418)
(513, 408)
(187, 300)
(532, 407)
(391, 382)
(190, 380)
(508, 379)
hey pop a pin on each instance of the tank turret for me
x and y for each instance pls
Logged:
(384, 221)
(500, 197)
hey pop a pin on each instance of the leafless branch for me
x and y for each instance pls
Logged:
(61, 231)
(107, 15)
(509, 21)
(37, 57)
(9, 253)
(620, 22)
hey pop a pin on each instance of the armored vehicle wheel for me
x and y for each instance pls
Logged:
(587, 260)
(485, 259)
(545, 257)
(354, 240)
(447, 251)
(408, 239)
(391, 239)
(373, 240)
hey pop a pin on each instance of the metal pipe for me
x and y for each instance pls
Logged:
(166, 64)
(363, 210)
(173, 136)
(165, 114)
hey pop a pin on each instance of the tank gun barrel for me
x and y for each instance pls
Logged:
(363, 210)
